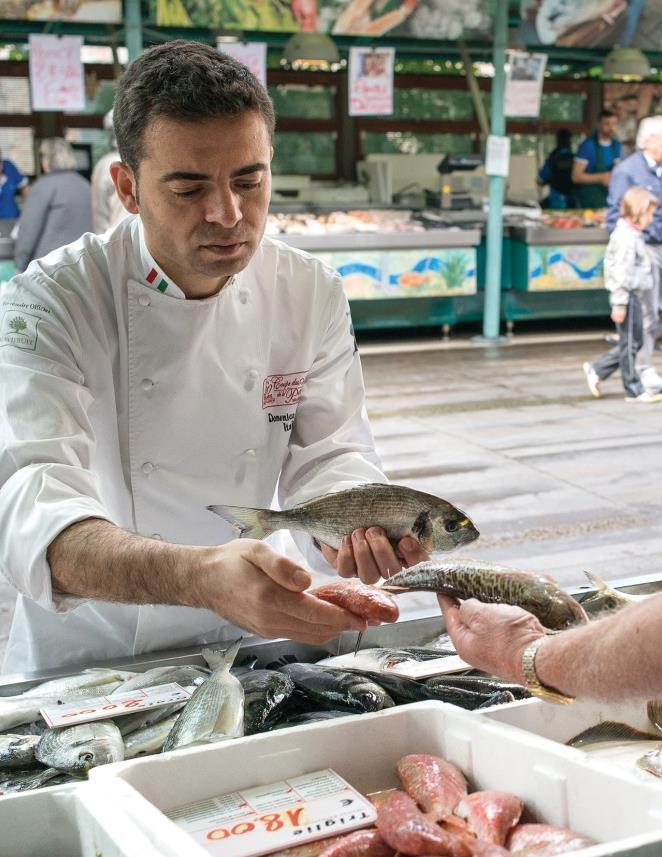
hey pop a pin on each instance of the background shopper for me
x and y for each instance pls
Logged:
(596, 157)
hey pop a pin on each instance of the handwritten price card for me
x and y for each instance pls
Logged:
(56, 73)
(103, 707)
(269, 818)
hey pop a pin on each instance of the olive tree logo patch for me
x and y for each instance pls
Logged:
(19, 329)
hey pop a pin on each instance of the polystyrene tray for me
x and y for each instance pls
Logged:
(557, 784)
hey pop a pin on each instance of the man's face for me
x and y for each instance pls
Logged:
(607, 127)
(202, 193)
(653, 147)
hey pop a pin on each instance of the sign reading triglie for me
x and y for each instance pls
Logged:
(371, 81)
(19, 329)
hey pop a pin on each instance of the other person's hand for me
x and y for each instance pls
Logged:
(261, 591)
(618, 314)
(369, 555)
(606, 177)
(490, 637)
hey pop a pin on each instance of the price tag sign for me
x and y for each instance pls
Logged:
(277, 816)
(104, 707)
(56, 73)
(427, 669)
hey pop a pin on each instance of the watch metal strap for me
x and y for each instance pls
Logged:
(533, 684)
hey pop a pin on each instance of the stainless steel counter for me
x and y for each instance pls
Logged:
(452, 237)
(546, 236)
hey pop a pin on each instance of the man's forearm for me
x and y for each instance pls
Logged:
(589, 178)
(616, 657)
(96, 559)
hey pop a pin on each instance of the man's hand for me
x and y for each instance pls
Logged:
(618, 314)
(252, 586)
(490, 637)
(369, 555)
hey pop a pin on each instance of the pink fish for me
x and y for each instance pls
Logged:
(361, 843)
(436, 785)
(543, 840)
(408, 831)
(490, 814)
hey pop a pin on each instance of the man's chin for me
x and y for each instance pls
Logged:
(223, 264)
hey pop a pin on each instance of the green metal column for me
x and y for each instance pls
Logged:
(133, 28)
(497, 183)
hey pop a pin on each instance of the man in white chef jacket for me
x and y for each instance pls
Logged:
(179, 360)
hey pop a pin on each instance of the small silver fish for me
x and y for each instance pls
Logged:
(652, 762)
(76, 749)
(60, 687)
(184, 674)
(149, 740)
(372, 659)
(29, 780)
(17, 751)
(609, 732)
(215, 711)
(16, 710)
(401, 511)
(493, 584)
(606, 598)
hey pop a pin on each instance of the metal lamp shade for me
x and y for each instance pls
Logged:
(626, 63)
(311, 50)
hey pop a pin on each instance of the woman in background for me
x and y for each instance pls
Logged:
(58, 209)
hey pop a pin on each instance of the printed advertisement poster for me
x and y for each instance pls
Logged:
(566, 267)
(593, 23)
(524, 80)
(370, 81)
(86, 11)
(374, 274)
(422, 19)
(251, 54)
(56, 73)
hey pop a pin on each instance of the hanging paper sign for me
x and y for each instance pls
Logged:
(251, 54)
(56, 73)
(371, 81)
(524, 81)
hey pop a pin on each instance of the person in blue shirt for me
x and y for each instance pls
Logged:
(596, 157)
(12, 181)
(557, 173)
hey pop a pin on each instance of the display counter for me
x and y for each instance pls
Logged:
(548, 262)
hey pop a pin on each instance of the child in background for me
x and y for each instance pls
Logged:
(628, 274)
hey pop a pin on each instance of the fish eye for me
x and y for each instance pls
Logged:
(86, 757)
(451, 526)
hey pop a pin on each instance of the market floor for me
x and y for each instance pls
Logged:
(554, 480)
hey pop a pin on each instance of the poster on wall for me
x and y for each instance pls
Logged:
(370, 81)
(631, 102)
(56, 73)
(593, 23)
(251, 54)
(90, 11)
(423, 19)
(524, 79)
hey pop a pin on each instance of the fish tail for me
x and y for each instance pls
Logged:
(222, 657)
(251, 523)
(600, 584)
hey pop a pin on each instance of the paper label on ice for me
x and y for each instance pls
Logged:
(103, 707)
(269, 818)
(427, 669)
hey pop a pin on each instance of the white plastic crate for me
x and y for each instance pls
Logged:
(557, 785)
(73, 821)
(560, 723)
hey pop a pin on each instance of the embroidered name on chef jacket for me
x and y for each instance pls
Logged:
(283, 390)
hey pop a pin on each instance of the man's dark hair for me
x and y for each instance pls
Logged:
(563, 138)
(182, 80)
(605, 114)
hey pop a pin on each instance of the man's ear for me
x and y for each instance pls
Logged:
(125, 185)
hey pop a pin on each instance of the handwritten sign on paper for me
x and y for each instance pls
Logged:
(56, 73)
(371, 81)
(251, 54)
(524, 81)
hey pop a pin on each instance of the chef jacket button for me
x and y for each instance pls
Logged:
(250, 453)
(147, 384)
(147, 468)
(243, 296)
(157, 536)
(251, 378)
(143, 300)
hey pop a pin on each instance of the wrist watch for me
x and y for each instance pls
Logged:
(531, 680)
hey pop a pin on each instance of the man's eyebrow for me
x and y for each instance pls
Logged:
(183, 175)
(251, 168)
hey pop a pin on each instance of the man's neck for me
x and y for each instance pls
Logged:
(605, 141)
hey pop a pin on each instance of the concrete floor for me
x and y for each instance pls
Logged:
(554, 480)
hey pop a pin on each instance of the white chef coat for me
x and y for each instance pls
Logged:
(122, 400)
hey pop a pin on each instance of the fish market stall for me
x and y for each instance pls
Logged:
(399, 269)
(228, 798)
(557, 269)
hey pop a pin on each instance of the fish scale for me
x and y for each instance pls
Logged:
(494, 584)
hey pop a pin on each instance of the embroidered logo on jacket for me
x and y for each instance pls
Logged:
(280, 390)
(19, 329)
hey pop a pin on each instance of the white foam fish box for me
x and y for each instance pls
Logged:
(558, 785)
(73, 821)
(560, 723)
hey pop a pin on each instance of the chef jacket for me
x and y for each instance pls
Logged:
(122, 400)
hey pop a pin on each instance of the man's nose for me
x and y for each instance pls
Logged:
(224, 208)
